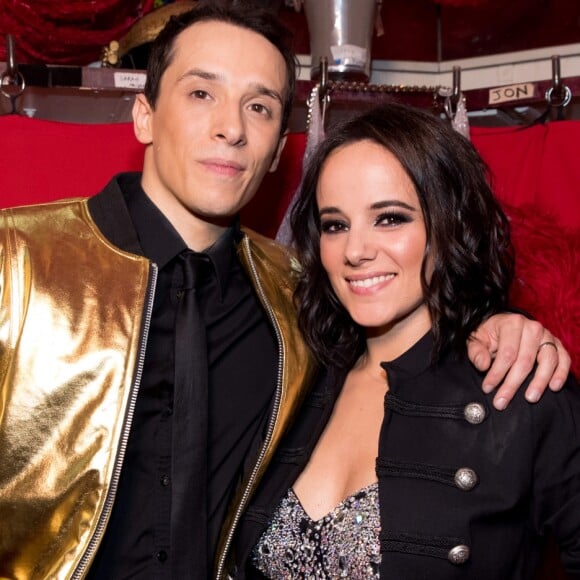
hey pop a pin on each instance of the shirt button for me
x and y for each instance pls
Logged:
(458, 554)
(168, 411)
(164, 480)
(161, 556)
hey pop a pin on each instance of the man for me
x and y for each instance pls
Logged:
(126, 443)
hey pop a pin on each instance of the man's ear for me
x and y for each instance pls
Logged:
(280, 147)
(143, 119)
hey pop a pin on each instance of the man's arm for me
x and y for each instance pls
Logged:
(512, 344)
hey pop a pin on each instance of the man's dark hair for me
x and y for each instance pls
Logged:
(468, 239)
(245, 15)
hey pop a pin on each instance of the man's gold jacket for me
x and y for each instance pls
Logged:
(75, 304)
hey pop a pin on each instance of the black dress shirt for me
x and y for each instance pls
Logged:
(242, 363)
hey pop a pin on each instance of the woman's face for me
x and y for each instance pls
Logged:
(373, 239)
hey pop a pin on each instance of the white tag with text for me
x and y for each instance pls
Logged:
(509, 93)
(129, 80)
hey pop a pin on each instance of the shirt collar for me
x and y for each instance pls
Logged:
(161, 243)
(223, 254)
(414, 361)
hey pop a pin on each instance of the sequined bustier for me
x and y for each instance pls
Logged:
(342, 544)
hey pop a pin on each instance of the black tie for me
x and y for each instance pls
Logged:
(189, 439)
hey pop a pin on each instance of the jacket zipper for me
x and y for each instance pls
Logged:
(108, 506)
(273, 418)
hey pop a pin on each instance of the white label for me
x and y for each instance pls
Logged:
(127, 80)
(511, 93)
(349, 54)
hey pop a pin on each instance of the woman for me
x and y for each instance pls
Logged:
(398, 466)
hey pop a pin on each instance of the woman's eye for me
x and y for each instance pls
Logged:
(393, 219)
(332, 227)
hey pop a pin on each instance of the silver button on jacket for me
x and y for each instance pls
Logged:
(474, 413)
(465, 479)
(459, 554)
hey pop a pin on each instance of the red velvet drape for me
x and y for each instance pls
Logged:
(66, 31)
(536, 176)
(45, 160)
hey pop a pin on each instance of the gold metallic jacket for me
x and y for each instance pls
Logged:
(74, 316)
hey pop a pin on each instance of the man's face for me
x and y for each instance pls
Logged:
(215, 129)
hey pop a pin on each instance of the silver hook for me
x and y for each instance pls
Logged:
(454, 95)
(556, 74)
(11, 66)
(456, 83)
(558, 90)
(12, 83)
(324, 89)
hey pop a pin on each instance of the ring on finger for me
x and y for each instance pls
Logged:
(547, 343)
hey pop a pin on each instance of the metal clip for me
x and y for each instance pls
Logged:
(558, 95)
(12, 83)
(324, 88)
(452, 97)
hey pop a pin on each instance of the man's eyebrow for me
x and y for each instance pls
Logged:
(263, 90)
(198, 72)
(210, 76)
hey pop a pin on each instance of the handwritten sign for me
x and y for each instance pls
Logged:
(509, 93)
(129, 80)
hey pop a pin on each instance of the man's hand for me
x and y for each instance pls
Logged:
(513, 343)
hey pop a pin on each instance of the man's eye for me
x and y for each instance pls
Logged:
(199, 94)
(261, 109)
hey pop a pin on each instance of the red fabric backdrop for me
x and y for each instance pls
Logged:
(66, 31)
(45, 160)
(536, 176)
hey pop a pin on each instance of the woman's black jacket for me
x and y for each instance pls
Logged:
(465, 491)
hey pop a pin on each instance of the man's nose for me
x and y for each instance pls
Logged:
(229, 125)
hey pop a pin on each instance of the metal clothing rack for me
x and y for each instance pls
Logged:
(548, 99)
(103, 94)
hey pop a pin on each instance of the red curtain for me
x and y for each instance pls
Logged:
(66, 31)
(46, 160)
(536, 166)
(535, 171)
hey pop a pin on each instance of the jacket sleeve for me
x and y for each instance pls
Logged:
(11, 307)
(556, 471)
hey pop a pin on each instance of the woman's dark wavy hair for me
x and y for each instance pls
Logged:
(468, 237)
(243, 14)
